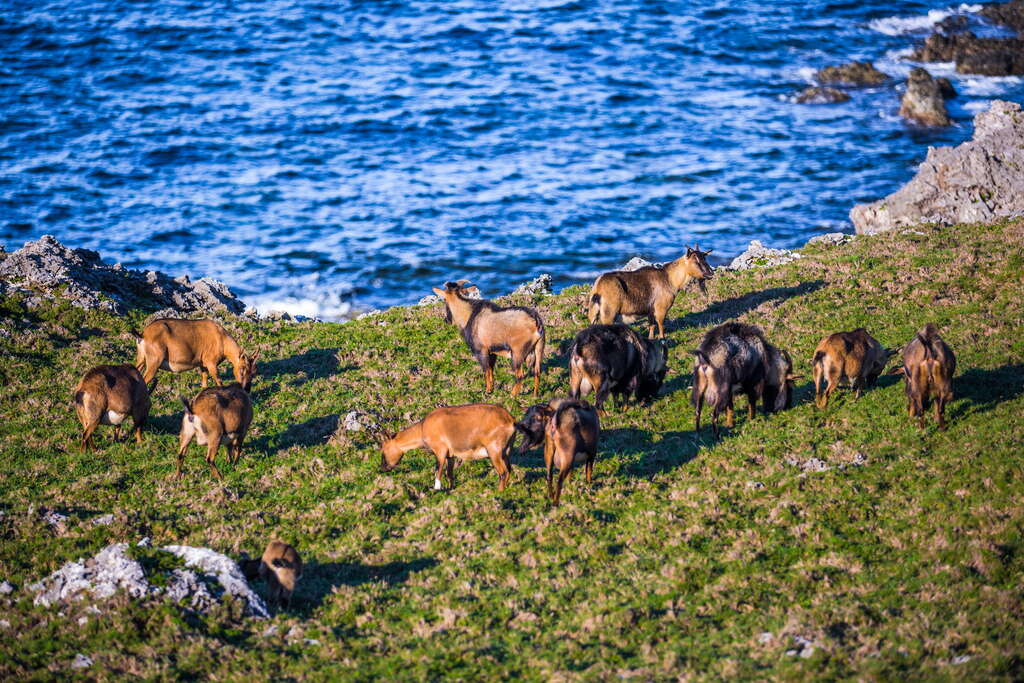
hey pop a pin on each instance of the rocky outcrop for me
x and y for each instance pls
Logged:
(538, 286)
(822, 95)
(1009, 14)
(204, 577)
(980, 180)
(759, 256)
(923, 102)
(46, 269)
(853, 74)
(974, 55)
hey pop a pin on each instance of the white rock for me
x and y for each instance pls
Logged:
(227, 572)
(103, 520)
(6, 588)
(81, 662)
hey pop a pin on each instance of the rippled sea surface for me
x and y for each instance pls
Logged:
(317, 155)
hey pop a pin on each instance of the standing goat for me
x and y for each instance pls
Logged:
(491, 331)
(646, 292)
(569, 430)
(467, 432)
(928, 367)
(217, 415)
(180, 345)
(107, 395)
(614, 359)
(854, 356)
(734, 358)
(281, 568)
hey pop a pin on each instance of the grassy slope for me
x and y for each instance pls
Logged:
(680, 556)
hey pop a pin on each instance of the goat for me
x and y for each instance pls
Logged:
(570, 439)
(854, 356)
(217, 415)
(778, 380)
(281, 568)
(466, 432)
(614, 359)
(491, 331)
(646, 292)
(180, 345)
(928, 367)
(731, 359)
(107, 395)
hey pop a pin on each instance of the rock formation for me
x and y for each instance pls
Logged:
(759, 256)
(822, 95)
(853, 74)
(980, 180)
(923, 102)
(974, 55)
(46, 269)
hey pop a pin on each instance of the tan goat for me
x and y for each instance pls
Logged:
(107, 395)
(467, 432)
(217, 415)
(928, 367)
(281, 568)
(854, 356)
(647, 292)
(491, 331)
(180, 345)
(570, 439)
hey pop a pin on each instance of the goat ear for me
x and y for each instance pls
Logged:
(462, 283)
(439, 292)
(792, 378)
(705, 253)
(184, 402)
(898, 370)
(892, 352)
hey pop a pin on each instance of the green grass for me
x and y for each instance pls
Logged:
(676, 562)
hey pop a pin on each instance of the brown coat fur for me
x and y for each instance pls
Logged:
(855, 356)
(217, 415)
(928, 367)
(180, 345)
(281, 568)
(491, 331)
(647, 292)
(466, 432)
(107, 395)
(570, 439)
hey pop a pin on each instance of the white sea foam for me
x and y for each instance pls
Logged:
(986, 86)
(897, 26)
(310, 308)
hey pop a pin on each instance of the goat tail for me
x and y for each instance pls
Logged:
(594, 309)
(140, 355)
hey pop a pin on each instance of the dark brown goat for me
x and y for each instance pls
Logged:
(855, 356)
(570, 439)
(928, 367)
(491, 331)
(735, 358)
(646, 292)
(281, 568)
(614, 359)
(217, 415)
(107, 395)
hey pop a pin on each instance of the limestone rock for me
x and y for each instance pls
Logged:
(758, 256)
(923, 102)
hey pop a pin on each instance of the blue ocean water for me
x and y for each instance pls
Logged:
(315, 155)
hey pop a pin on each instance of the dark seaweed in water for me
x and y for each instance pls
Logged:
(320, 153)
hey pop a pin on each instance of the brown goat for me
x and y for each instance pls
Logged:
(217, 415)
(107, 395)
(281, 568)
(614, 359)
(854, 356)
(646, 292)
(491, 331)
(570, 439)
(180, 345)
(928, 367)
(467, 432)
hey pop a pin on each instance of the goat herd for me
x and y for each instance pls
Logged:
(606, 358)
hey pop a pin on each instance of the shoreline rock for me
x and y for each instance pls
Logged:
(923, 102)
(854, 74)
(757, 255)
(47, 270)
(822, 95)
(974, 55)
(980, 180)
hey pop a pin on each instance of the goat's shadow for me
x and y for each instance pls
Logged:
(312, 432)
(319, 579)
(315, 363)
(736, 306)
(984, 389)
(640, 456)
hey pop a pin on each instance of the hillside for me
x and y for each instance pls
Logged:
(837, 543)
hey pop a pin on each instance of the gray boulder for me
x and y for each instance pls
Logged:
(636, 263)
(51, 270)
(759, 256)
(852, 74)
(923, 102)
(539, 286)
(978, 181)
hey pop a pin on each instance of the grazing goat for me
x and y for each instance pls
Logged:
(467, 432)
(281, 568)
(217, 415)
(180, 345)
(107, 395)
(569, 430)
(928, 367)
(491, 331)
(646, 292)
(614, 359)
(855, 356)
(735, 358)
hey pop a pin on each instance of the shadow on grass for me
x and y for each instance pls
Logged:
(984, 389)
(316, 363)
(728, 309)
(312, 432)
(319, 579)
(642, 457)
